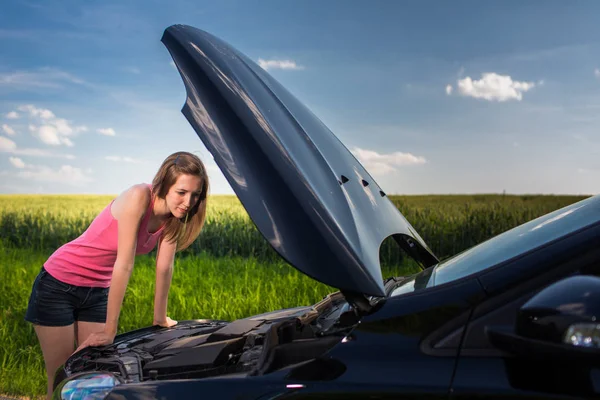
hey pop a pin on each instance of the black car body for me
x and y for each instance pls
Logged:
(489, 322)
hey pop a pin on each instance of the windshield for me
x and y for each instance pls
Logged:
(505, 246)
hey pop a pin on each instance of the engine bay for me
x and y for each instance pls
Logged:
(204, 348)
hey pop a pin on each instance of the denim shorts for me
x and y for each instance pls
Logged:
(55, 303)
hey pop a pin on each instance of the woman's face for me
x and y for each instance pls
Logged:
(183, 195)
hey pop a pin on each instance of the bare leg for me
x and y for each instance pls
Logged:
(57, 343)
(84, 329)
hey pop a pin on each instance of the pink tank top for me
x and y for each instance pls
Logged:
(89, 259)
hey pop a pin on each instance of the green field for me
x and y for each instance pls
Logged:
(230, 272)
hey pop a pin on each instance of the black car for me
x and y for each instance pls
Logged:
(513, 317)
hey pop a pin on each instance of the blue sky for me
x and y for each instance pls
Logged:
(432, 97)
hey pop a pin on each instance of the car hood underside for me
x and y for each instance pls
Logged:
(305, 191)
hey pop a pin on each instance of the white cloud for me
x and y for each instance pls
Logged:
(597, 73)
(53, 131)
(377, 163)
(449, 90)
(36, 112)
(41, 153)
(279, 64)
(51, 136)
(48, 135)
(6, 144)
(64, 127)
(49, 78)
(66, 174)
(107, 131)
(12, 115)
(494, 87)
(133, 70)
(123, 159)
(8, 130)
(17, 162)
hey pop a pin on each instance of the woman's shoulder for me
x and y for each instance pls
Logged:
(140, 191)
(134, 199)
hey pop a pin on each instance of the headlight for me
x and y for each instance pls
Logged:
(583, 335)
(92, 386)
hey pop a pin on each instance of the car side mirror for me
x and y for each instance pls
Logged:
(561, 321)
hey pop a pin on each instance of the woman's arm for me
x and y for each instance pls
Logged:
(164, 273)
(130, 216)
(129, 213)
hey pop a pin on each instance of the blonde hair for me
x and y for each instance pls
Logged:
(184, 231)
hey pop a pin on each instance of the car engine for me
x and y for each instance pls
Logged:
(205, 348)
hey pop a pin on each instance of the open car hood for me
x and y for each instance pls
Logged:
(307, 194)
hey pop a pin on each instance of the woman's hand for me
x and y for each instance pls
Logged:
(166, 323)
(97, 339)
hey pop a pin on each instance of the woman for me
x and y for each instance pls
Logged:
(78, 294)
